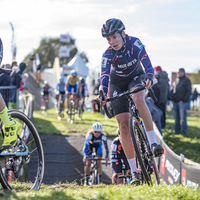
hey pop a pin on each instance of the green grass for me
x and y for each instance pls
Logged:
(106, 192)
(48, 124)
(188, 145)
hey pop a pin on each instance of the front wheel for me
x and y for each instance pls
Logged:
(25, 171)
(140, 150)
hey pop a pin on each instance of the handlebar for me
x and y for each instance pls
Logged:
(126, 93)
(3, 70)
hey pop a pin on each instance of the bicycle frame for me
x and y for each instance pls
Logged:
(144, 155)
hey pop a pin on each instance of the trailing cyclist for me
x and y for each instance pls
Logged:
(60, 92)
(123, 64)
(94, 139)
(117, 156)
(71, 87)
(45, 92)
(83, 91)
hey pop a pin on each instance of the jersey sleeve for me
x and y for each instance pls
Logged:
(104, 139)
(144, 58)
(1, 50)
(105, 71)
(86, 144)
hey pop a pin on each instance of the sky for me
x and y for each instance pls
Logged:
(169, 29)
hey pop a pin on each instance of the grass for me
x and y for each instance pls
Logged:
(188, 145)
(106, 192)
(50, 125)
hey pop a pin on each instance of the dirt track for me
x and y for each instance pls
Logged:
(63, 159)
(63, 155)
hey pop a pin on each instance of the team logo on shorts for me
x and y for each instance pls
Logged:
(103, 62)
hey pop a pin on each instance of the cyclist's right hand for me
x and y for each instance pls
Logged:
(84, 159)
(102, 98)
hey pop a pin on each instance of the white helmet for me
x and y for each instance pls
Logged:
(97, 127)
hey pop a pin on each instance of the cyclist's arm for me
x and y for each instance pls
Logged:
(145, 60)
(104, 139)
(105, 73)
(87, 144)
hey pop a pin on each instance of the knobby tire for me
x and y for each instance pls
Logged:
(136, 134)
(30, 170)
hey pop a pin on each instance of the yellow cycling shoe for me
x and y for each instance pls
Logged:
(10, 136)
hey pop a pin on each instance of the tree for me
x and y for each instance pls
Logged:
(195, 78)
(49, 49)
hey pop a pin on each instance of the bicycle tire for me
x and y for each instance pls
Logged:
(96, 177)
(136, 134)
(29, 169)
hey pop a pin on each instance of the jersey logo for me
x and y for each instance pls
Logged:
(114, 147)
(138, 44)
(103, 62)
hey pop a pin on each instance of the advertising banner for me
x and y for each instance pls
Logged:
(65, 38)
(64, 51)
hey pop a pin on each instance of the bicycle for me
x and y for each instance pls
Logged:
(71, 112)
(61, 102)
(94, 174)
(126, 177)
(144, 156)
(22, 165)
(80, 108)
(46, 105)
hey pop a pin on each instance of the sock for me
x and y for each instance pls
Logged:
(132, 164)
(5, 117)
(100, 178)
(151, 137)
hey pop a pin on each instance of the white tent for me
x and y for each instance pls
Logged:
(77, 64)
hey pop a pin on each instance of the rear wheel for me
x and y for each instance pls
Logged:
(24, 171)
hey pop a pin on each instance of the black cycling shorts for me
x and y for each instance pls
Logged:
(117, 165)
(118, 85)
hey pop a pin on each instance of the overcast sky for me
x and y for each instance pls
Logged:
(170, 29)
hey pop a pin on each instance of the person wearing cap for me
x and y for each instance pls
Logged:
(163, 83)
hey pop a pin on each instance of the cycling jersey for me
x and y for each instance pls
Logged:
(1, 50)
(71, 80)
(125, 62)
(45, 91)
(92, 141)
(117, 156)
(60, 87)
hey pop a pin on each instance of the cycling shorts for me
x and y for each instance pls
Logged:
(117, 165)
(120, 84)
(72, 89)
(62, 95)
(98, 149)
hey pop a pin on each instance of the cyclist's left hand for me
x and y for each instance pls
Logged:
(148, 83)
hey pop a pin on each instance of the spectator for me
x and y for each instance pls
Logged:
(16, 79)
(181, 90)
(163, 82)
(154, 107)
(96, 88)
(5, 80)
(117, 156)
(195, 95)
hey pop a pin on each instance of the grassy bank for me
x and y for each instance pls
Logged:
(188, 145)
